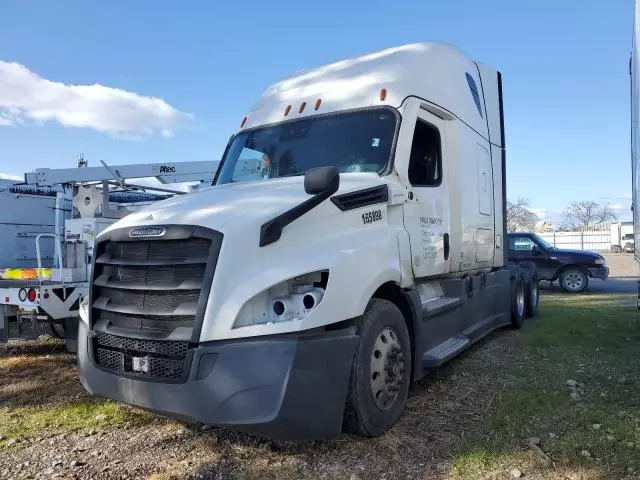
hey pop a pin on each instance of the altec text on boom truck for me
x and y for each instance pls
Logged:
(353, 239)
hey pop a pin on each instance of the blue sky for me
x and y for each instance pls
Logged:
(565, 68)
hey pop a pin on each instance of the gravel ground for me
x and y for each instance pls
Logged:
(442, 410)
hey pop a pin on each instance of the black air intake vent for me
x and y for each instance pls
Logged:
(361, 198)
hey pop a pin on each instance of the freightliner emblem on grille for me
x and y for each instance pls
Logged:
(148, 232)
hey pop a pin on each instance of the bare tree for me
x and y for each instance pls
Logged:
(588, 215)
(519, 215)
(606, 214)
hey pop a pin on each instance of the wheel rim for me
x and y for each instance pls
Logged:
(387, 368)
(573, 281)
(520, 300)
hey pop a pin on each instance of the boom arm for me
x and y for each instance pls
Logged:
(202, 171)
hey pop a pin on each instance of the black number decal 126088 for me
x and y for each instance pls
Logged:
(372, 216)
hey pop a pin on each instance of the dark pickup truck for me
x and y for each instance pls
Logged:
(572, 268)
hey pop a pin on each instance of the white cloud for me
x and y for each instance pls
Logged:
(26, 96)
(8, 176)
(617, 207)
(540, 212)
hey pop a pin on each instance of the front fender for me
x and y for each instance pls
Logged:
(359, 258)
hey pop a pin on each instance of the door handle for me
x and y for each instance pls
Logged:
(446, 246)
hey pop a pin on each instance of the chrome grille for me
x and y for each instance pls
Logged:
(146, 289)
(150, 285)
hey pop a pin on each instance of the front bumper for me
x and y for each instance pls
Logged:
(601, 272)
(286, 388)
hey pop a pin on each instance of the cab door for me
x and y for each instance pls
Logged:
(426, 214)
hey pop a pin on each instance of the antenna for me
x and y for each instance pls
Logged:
(81, 161)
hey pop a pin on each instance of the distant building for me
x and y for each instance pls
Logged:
(544, 227)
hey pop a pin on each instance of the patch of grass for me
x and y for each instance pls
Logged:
(589, 340)
(26, 422)
(158, 476)
(46, 339)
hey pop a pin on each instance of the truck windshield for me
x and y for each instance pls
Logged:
(358, 141)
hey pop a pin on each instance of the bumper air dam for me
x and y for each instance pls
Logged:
(599, 272)
(285, 388)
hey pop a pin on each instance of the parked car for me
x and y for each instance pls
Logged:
(629, 244)
(572, 268)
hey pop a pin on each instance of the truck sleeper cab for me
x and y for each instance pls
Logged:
(353, 239)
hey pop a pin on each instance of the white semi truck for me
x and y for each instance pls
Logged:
(353, 239)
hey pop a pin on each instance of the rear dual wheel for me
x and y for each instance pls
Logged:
(379, 382)
(56, 330)
(529, 275)
(518, 302)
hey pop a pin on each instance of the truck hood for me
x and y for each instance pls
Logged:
(575, 254)
(223, 206)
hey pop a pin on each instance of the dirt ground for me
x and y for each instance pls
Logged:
(442, 410)
(480, 416)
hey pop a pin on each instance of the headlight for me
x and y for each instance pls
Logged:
(287, 301)
(599, 261)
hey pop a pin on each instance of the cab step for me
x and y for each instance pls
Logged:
(445, 351)
(434, 307)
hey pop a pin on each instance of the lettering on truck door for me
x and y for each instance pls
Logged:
(426, 214)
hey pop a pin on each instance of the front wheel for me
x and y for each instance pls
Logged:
(380, 374)
(574, 280)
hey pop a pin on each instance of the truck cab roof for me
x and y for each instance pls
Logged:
(433, 71)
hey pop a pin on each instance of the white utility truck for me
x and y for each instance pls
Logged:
(354, 238)
(48, 289)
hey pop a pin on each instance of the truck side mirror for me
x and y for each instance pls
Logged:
(321, 179)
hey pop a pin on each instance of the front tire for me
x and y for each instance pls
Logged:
(380, 374)
(574, 280)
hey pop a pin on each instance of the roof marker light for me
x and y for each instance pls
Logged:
(383, 94)
(287, 110)
(244, 120)
(318, 102)
(302, 107)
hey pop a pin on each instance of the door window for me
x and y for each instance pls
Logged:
(521, 244)
(474, 93)
(425, 163)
